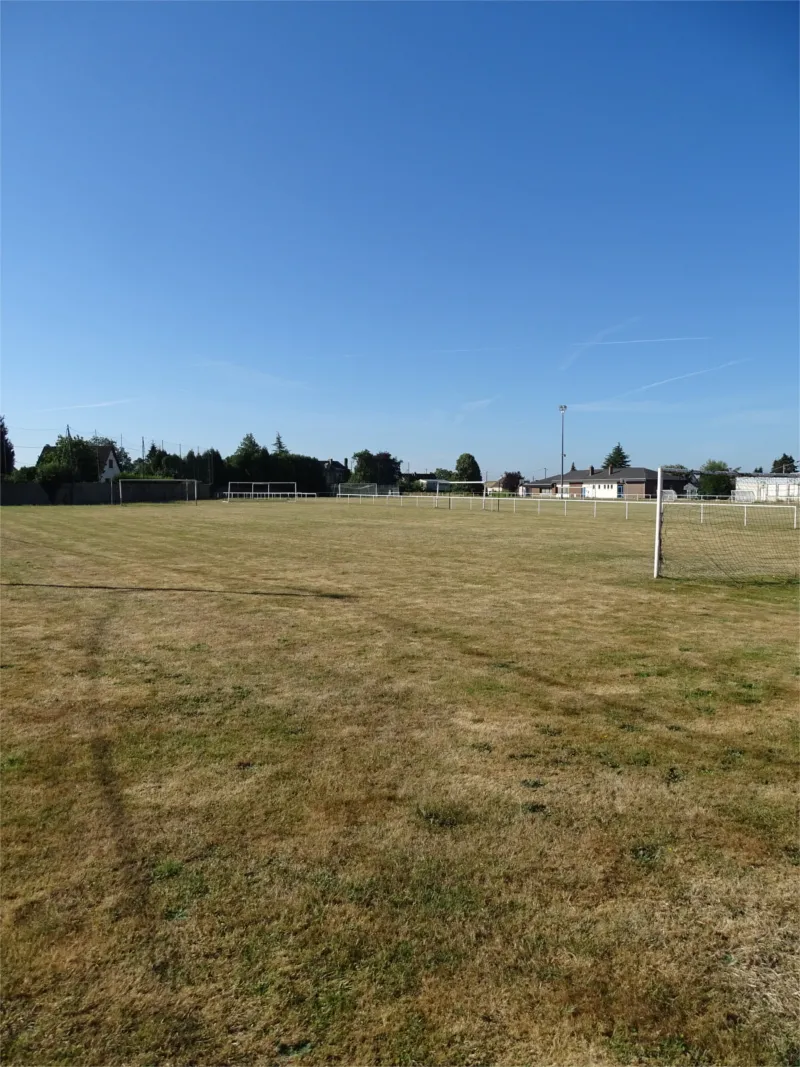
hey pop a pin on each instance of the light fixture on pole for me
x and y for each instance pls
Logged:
(562, 408)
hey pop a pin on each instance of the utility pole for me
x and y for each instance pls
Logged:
(562, 408)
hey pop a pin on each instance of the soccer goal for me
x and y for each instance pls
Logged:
(157, 490)
(262, 491)
(733, 540)
(357, 489)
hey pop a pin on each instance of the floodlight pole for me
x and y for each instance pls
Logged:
(562, 408)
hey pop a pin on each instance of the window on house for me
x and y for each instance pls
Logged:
(620, 489)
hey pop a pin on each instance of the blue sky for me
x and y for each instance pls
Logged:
(414, 227)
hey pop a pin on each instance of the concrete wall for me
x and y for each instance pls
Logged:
(31, 493)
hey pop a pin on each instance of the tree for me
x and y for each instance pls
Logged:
(467, 469)
(784, 465)
(617, 457)
(6, 451)
(70, 459)
(758, 470)
(715, 478)
(510, 482)
(381, 468)
(250, 461)
(278, 447)
(444, 475)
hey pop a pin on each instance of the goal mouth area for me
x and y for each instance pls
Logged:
(726, 525)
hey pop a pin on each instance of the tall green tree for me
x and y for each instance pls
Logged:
(443, 474)
(617, 457)
(69, 459)
(380, 467)
(715, 478)
(278, 447)
(250, 461)
(511, 481)
(784, 465)
(6, 451)
(467, 469)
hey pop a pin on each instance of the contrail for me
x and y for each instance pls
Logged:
(648, 341)
(680, 377)
(581, 346)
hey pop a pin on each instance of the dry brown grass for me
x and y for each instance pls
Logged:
(409, 787)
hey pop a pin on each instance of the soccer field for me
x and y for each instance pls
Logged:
(309, 782)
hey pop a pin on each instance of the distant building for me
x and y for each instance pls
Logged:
(607, 483)
(335, 473)
(107, 463)
(768, 488)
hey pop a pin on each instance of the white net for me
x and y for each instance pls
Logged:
(735, 541)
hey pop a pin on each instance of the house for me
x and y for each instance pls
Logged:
(607, 483)
(573, 483)
(107, 463)
(335, 473)
(768, 488)
(629, 483)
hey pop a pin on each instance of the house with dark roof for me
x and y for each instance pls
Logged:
(107, 463)
(605, 483)
(573, 483)
(335, 473)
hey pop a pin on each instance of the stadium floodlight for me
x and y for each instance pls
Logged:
(262, 491)
(723, 537)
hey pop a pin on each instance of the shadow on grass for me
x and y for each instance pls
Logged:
(184, 589)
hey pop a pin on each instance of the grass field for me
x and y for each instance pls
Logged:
(311, 783)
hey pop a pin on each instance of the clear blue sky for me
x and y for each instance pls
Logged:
(404, 227)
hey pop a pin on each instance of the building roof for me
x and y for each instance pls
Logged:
(623, 474)
(598, 475)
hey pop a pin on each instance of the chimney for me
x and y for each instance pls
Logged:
(610, 468)
(345, 462)
(591, 469)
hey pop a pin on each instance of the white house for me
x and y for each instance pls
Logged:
(107, 463)
(768, 488)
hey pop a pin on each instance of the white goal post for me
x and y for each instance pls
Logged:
(728, 538)
(188, 493)
(261, 491)
(357, 489)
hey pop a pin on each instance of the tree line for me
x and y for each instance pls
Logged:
(79, 459)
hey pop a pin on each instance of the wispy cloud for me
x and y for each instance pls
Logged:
(606, 405)
(648, 341)
(99, 404)
(471, 406)
(250, 374)
(681, 377)
(580, 347)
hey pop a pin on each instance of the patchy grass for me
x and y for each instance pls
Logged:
(263, 794)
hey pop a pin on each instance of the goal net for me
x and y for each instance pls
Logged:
(731, 538)
(262, 491)
(357, 489)
(476, 488)
(157, 490)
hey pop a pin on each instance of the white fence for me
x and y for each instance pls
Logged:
(506, 504)
(240, 495)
